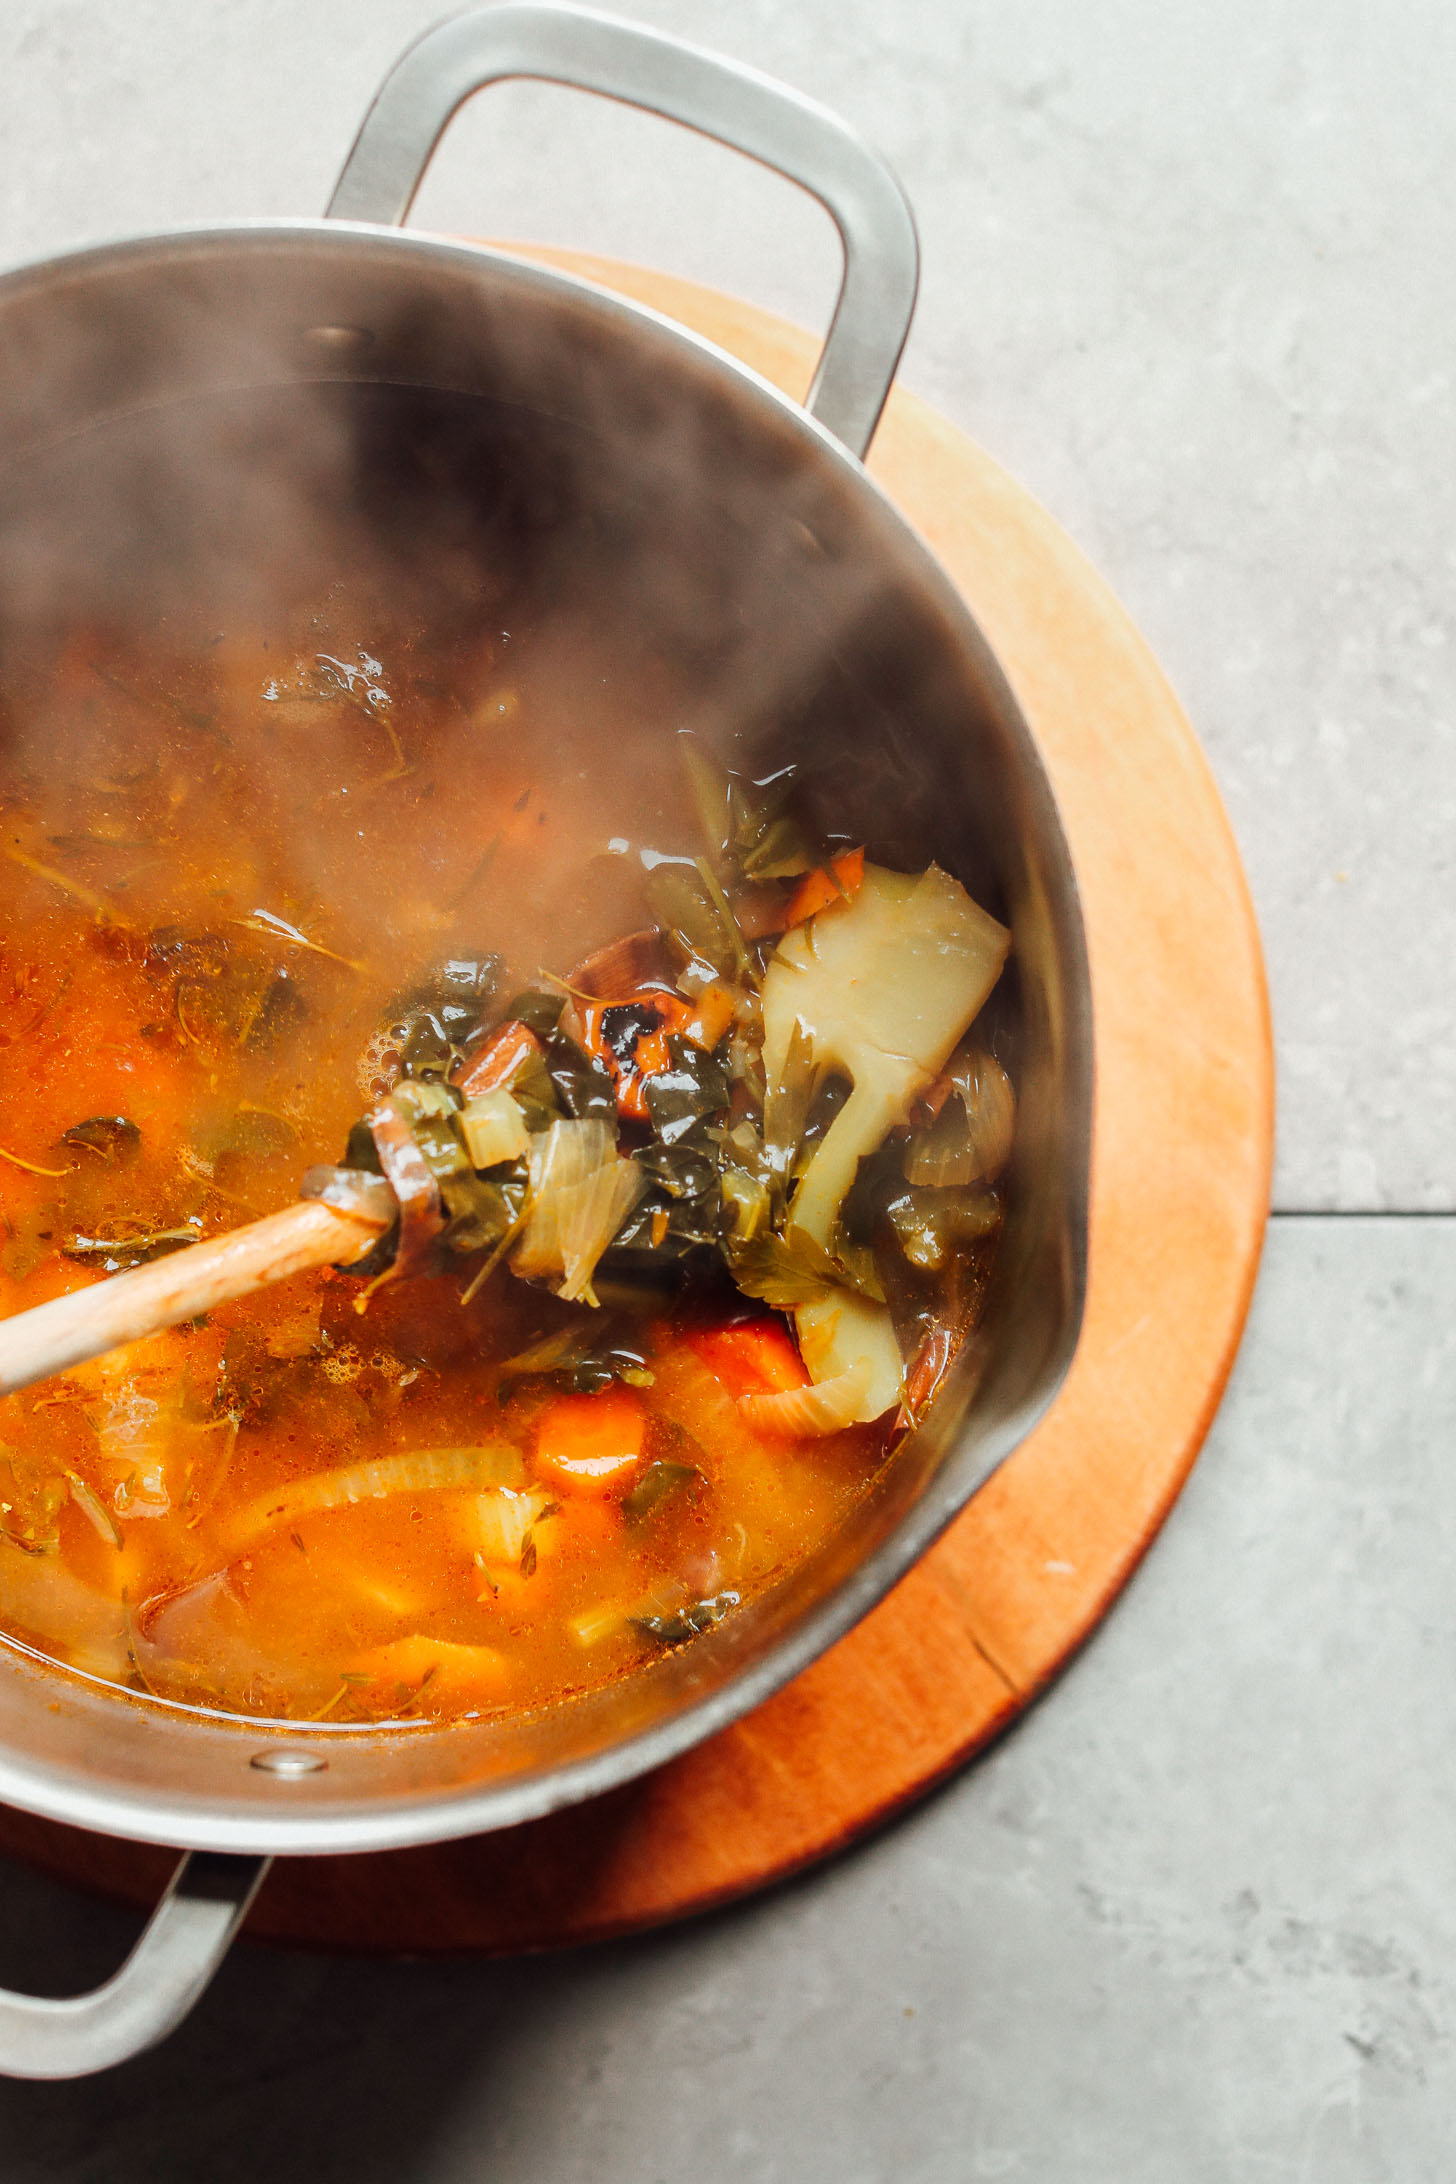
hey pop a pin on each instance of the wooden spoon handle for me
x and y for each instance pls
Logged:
(104, 1315)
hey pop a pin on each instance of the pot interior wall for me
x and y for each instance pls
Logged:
(237, 426)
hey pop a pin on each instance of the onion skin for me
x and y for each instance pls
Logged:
(415, 1471)
(421, 1208)
(351, 1190)
(498, 1060)
(581, 1192)
(803, 1413)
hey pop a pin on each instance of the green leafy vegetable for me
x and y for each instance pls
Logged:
(929, 1223)
(793, 1269)
(582, 1084)
(746, 823)
(111, 1138)
(685, 908)
(676, 1628)
(681, 1170)
(114, 1254)
(442, 1147)
(426, 1049)
(580, 1357)
(692, 1088)
(539, 1012)
(970, 1139)
(789, 1095)
(361, 1151)
(712, 789)
(740, 960)
(661, 1483)
(484, 1211)
(747, 1206)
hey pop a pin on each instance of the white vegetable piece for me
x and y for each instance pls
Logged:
(800, 1413)
(881, 988)
(581, 1192)
(844, 1333)
(494, 1128)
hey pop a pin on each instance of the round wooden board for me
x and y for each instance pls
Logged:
(1180, 1188)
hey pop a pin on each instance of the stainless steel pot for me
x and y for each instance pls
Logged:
(729, 524)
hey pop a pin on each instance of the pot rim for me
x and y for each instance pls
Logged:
(442, 1815)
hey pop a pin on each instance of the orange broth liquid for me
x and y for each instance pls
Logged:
(162, 813)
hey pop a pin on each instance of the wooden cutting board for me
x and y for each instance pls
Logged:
(1180, 1191)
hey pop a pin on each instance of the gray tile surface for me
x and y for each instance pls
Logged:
(1190, 273)
(1194, 1922)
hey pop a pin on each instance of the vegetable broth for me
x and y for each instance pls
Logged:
(228, 860)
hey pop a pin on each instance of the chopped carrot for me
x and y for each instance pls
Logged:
(645, 1054)
(757, 1357)
(836, 883)
(591, 1444)
(711, 1018)
(499, 1059)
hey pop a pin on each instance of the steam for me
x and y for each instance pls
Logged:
(527, 541)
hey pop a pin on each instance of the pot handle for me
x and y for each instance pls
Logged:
(798, 138)
(184, 1942)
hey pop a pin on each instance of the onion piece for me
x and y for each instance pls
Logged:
(493, 1128)
(353, 1191)
(581, 1192)
(798, 1413)
(416, 1471)
(970, 1139)
(505, 1518)
(93, 1509)
(839, 1332)
(421, 1208)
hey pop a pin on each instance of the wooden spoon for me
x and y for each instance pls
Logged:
(50, 1337)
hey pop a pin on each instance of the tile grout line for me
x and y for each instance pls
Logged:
(1362, 1213)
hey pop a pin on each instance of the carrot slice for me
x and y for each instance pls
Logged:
(591, 1444)
(645, 1055)
(711, 1018)
(818, 889)
(757, 1357)
(499, 1059)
